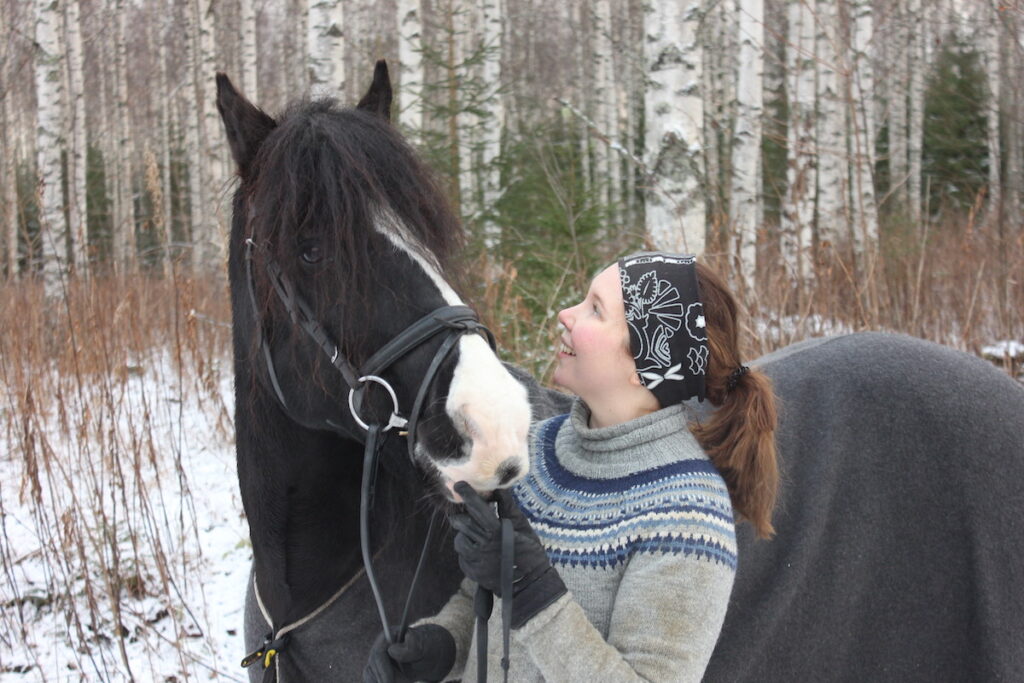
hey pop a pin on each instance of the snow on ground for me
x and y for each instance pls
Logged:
(190, 552)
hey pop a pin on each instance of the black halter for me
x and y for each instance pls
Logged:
(452, 321)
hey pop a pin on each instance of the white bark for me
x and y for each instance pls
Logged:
(197, 182)
(250, 70)
(124, 250)
(916, 65)
(603, 89)
(833, 185)
(212, 142)
(326, 48)
(8, 152)
(167, 109)
(899, 85)
(412, 75)
(76, 140)
(49, 95)
(491, 127)
(801, 175)
(675, 216)
(993, 65)
(745, 207)
(1013, 212)
(863, 128)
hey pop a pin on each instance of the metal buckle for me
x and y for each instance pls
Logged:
(395, 420)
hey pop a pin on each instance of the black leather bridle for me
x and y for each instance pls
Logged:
(451, 321)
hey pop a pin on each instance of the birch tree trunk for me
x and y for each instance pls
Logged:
(993, 62)
(899, 85)
(745, 207)
(412, 76)
(916, 65)
(579, 18)
(215, 224)
(863, 128)
(603, 93)
(250, 69)
(325, 48)
(167, 119)
(833, 185)
(801, 174)
(197, 170)
(124, 212)
(76, 137)
(49, 96)
(674, 109)
(492, 32)
(9, 151)
(1013, 212)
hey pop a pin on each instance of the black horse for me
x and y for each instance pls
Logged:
(899, 544)
(338, 244)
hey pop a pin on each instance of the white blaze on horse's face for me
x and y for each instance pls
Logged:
(486, 404)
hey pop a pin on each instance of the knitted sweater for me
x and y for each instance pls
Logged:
(638, 523)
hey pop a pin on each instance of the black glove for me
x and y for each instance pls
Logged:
(536, 584)
(426, 654)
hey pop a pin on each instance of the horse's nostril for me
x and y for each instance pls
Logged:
(507, 471)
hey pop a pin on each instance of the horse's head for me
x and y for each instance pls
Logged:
(336, 221)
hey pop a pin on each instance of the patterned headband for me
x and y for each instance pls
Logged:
(666, 324)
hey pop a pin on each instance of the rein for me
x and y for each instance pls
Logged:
(453, 322)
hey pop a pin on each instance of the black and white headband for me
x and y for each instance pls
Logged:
(666, 324)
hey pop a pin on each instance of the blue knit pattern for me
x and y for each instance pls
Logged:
(682, 507)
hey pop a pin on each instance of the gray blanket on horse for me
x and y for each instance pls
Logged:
(900, 547)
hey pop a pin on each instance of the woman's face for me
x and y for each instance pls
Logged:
(594, 361)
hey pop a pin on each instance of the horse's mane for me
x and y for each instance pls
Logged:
(327, 173)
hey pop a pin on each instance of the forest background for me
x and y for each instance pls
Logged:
(848, 164)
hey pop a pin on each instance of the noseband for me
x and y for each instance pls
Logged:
(451, 321)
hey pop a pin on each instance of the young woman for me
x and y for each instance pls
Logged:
(625, 551)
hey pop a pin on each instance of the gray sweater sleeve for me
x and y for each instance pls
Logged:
(668, 613)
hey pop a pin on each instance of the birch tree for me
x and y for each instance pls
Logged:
(214, 154)
(412, 76)
(915, 114)
(745, 207)
(674, 115)
(863, 128)
(75, 136)
(124, 250)
(899, 84)
(250, 70)
(49, 142)
(8, 151)
(325, 48)
(830, 129)
(990, 24)
(493, 121)
(197, 183)
(801, 172)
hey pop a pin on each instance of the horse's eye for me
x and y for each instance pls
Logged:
(311, 253)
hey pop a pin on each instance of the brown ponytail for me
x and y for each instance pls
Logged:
(740, 436)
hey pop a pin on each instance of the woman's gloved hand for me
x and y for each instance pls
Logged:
(426, 654)
(536, 584)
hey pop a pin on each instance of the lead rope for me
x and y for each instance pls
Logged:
(483, 605)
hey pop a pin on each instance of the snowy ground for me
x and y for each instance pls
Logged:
(181, 534)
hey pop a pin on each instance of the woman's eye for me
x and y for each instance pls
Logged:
(594, 309)
(311, 254)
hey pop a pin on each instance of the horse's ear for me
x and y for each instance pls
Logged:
(378, 98)
(247, 126)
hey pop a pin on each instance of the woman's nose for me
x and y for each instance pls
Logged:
(563, 317)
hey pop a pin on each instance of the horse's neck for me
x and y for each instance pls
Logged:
(300, 489)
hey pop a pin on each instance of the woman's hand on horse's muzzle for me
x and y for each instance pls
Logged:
(426, 654)
(478, 543)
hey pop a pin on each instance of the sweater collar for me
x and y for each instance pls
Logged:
(649, 441)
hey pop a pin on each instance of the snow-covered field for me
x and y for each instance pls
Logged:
(134, 562)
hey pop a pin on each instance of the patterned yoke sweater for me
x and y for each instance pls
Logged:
(638, 523)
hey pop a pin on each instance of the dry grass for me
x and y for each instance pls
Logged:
(96, 468)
